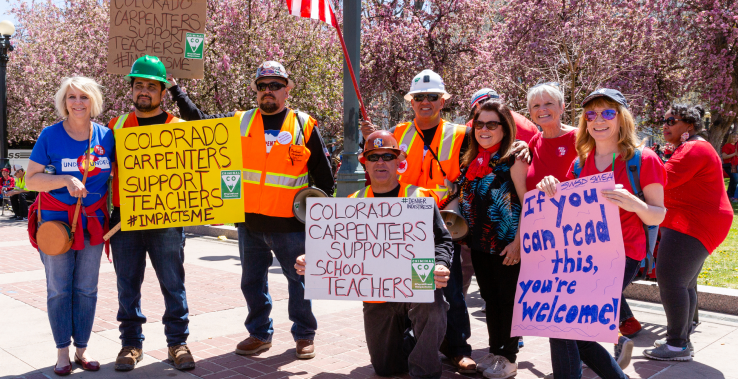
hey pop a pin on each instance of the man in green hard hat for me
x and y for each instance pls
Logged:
(148, 79)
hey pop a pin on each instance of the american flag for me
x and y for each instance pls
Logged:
(315, 9)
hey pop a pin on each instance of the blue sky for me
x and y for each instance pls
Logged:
(5, 9)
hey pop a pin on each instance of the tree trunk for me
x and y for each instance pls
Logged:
(397, 108)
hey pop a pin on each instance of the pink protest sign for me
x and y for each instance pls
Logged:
(572, 259)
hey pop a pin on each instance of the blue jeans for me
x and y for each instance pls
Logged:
(567, 357)
(165, 248)
(255, 249)
(458, 328)
(631, 269)
(71, 293)
(733, 181)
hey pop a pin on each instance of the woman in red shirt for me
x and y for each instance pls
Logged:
(605, 142)
(730, 160)
(697, 222)
(551, 150)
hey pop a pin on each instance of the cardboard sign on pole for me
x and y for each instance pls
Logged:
(371, 249)
(572, 262)
(158, 28)
(180, 174)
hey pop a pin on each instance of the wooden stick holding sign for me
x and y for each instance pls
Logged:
(112, 231)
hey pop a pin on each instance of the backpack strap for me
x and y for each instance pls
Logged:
(651, 231)
(577, 168)
(634, 174)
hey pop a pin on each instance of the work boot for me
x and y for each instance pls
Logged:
(181, 357)
(127, 358)
(305, 349)
(252, 345)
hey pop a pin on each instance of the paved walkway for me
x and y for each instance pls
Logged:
(218, 311)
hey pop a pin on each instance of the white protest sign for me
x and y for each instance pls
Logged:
(371, 249)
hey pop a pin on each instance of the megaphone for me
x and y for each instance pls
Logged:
(455, 224)
(299, 206)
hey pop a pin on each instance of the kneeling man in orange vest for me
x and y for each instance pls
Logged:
(393, 352)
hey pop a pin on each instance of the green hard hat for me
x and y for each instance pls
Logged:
(149, 67)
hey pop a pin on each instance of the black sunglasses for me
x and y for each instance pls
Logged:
(491, 125)
(671, 121)
(273, 86)
(430, 96)
(385, 157)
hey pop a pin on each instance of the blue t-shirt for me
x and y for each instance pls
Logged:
(55, 147)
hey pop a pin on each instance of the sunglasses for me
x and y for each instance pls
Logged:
(385, 157)
(607, 114)
(490, 125)
(671, 121)
(430, 96)
(273, 86)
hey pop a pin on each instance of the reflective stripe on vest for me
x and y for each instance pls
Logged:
(362, 193)
(408, 137)
(411, 191)
(120, 122)
(251, 176)
(247, 118)
(274, 179)
(446, 148)
(406, 190)
(297, 138)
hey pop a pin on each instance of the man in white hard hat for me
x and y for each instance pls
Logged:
(281, 149)
(391, 351)
(433, 147)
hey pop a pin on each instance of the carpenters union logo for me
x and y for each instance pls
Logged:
(230, 184)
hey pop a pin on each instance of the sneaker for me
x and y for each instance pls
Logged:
(181, 357)
(658, 343)
(501, 368)
(486, 362)
(464, 364)
(623, 351)
(630, 327)
(251, 345)
(521, 344)
(127, 358)
(305, 349)
(663, 353)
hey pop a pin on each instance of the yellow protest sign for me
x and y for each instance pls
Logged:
(180, 174)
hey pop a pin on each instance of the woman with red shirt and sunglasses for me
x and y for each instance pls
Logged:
(697, 222)
(605, 142)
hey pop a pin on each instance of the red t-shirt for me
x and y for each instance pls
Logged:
(729, 149)
(551, 156)
(526, 129)
(695, 198)
(652, 171)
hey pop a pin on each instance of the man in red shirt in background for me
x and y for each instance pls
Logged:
(526, 128)
(730, 161)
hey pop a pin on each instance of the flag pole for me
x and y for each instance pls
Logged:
(350, 69)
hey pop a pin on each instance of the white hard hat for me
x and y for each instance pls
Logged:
(427, 81)
(272, 69)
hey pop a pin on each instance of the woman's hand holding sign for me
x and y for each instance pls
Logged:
(548, 185)
(300, 265)
(441, 275)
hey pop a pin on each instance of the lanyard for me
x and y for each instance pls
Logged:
(433, 153)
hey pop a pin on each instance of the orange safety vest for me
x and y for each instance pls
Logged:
(428, 172)
(128, 120)
(406, 190)
(271, 180)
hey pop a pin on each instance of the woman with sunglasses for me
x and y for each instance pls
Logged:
(490, 203)
(698, 221)
(606, 142)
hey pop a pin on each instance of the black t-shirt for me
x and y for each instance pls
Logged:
(156, 120)
(444, 246)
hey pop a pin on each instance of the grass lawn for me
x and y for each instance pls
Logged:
(721, 268)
